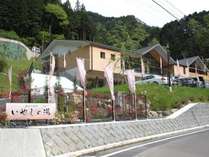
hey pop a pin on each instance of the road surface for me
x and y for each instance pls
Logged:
(194, 144)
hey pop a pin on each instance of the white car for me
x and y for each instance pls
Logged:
(157, 79)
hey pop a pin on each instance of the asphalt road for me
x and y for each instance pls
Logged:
(188, 145)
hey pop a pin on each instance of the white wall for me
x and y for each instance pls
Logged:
(39, 82)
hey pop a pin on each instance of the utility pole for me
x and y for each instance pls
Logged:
(168, 69)
(29, 82)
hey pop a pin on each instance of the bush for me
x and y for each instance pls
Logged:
(3, 64)
(3, 117)
(160, 97)
(9, 34)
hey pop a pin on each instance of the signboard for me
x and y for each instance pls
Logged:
(30, 111)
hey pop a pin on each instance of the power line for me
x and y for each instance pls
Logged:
(170, 13)
(174, 7)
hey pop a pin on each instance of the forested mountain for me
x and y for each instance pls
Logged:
(187, 37)
(37, 22)
(124, 32)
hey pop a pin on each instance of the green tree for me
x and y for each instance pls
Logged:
(21, 16)
(56, 11)
(187, 37)
(82, 27)
(77, 6)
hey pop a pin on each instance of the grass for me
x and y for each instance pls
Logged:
(161, 98)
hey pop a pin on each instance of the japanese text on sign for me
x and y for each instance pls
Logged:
(30, 111)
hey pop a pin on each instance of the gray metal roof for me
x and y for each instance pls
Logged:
(189, 61)
(61, 47)
(145, 50)
(162, 52)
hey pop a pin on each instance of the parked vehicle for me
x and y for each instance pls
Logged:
(206, 84)
(157, 79)
(192, 82)
(174, 80)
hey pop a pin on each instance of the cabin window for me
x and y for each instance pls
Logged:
(102, 55)
(112, 57)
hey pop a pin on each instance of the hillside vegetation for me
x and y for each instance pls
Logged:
(188, 37)
(160, 97)
(19, 69)
(40, 22)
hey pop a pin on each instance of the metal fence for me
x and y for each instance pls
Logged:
(98, 107)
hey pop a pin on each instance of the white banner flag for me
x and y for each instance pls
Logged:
(178, 67)
(161, 66)
(108, 73)
(142, 66)
(10, 81)
(81, 71)
(51, 94)
(196, 72)
(64, 62)
(52, 64)
(131, 81)
(187, 72)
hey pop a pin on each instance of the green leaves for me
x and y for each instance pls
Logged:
(58, 12)
(187, 37)
(9, 34)
(124, 32)
(160, 97)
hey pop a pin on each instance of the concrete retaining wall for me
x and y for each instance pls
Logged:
(71, 140)
(21, 143)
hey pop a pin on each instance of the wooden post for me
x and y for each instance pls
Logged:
(29, 91)
(145, 101)
(135, 107)
(168, 72)
(113, 111)
(29, 96)
(84, 106)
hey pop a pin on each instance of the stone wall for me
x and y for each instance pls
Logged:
(76, 139)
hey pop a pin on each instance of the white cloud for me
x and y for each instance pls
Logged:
(145, 10)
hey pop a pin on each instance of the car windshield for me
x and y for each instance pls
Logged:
(148, 77)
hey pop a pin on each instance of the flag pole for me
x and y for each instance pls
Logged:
(108, 74)
(10, 82)
(10, 92)
(82, 76)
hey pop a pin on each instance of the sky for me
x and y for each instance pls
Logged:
(145, 10)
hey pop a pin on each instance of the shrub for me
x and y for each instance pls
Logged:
(3, 117)
(160, 97)
(3, 64)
